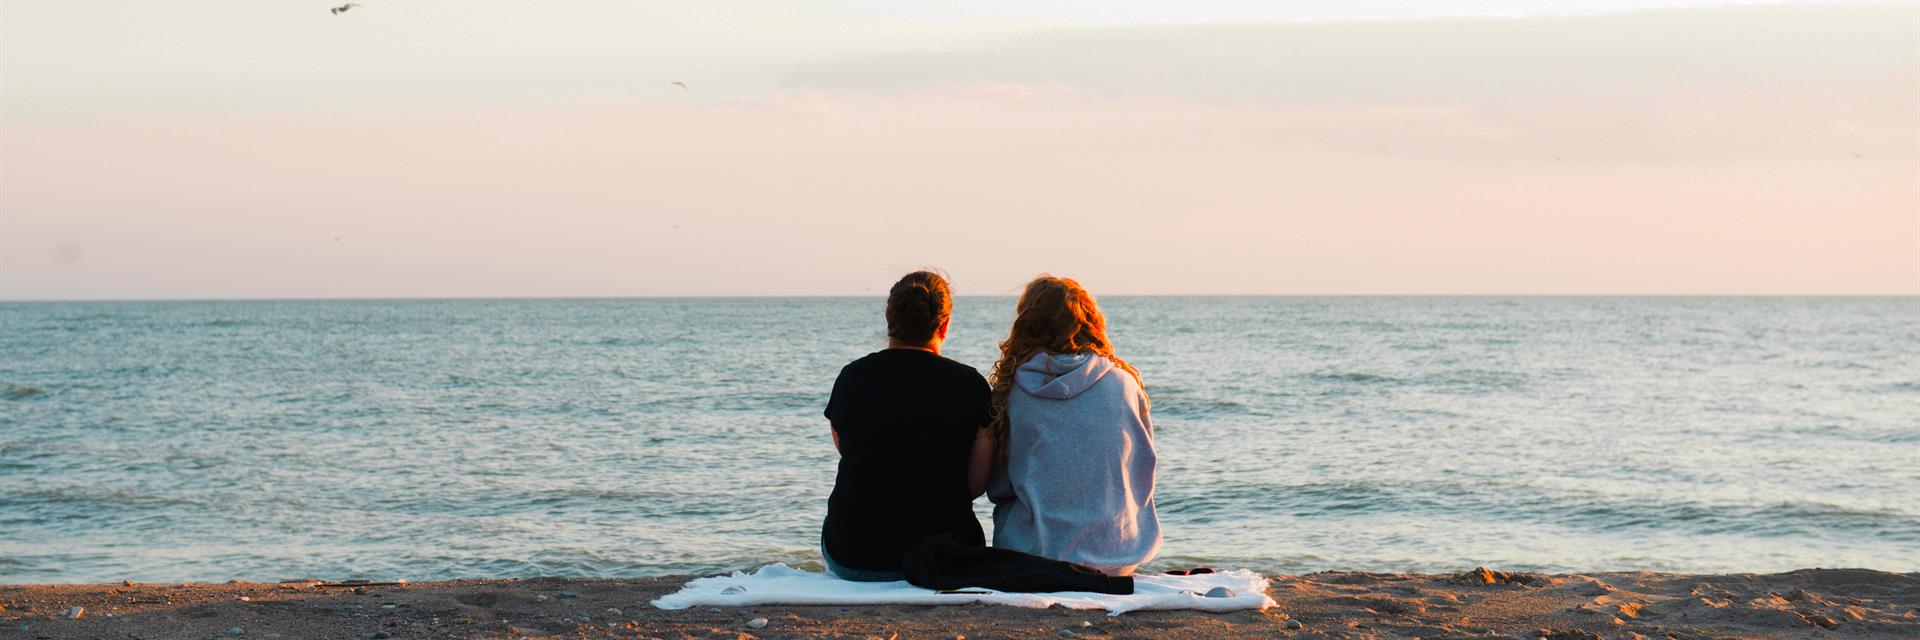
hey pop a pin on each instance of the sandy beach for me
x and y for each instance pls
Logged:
(1813, 603)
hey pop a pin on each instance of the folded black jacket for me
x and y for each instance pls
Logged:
(943, 561)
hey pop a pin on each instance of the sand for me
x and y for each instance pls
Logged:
(1814, 603)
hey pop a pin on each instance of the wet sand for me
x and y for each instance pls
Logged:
(1814, 603)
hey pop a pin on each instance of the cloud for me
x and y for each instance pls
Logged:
(1669, 54)
(1678, 85)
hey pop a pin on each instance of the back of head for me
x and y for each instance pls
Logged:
(917, 305)
(1055, 315)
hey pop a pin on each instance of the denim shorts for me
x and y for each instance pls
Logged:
(857, 575)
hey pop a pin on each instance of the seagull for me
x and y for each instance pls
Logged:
(342, 8)
(682, 85)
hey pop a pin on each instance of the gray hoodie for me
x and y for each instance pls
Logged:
(1078, 482)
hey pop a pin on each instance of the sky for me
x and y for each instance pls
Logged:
(433, 148)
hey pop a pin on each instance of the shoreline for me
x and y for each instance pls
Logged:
(1807, 603)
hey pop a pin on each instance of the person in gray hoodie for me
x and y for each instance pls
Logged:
(1073, 443)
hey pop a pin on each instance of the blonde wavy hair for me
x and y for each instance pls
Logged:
(1055, 315)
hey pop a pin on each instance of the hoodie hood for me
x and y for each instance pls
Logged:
(1060, 376)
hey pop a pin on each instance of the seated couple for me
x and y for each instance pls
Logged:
(1058, 438)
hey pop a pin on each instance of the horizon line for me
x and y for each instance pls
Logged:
(969, 295)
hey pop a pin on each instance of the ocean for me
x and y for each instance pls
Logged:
(429, 439)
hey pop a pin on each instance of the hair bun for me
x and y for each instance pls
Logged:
(916, 305)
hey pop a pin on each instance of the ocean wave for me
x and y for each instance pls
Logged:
(1476, 379)
(458, 381)
(22, 392)
(1379, 326)
(1785, 519)
(1854, 433)
(1177, 407)
(1828, 363)
(85, 501)
(1301, 500)
(1354, 377)
(1530, 504)
(580, 501)
(741, 401)
(1651, 513)
(632, 341)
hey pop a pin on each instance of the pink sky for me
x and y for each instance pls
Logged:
(1768, 150)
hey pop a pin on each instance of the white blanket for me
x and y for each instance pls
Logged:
(781, 584)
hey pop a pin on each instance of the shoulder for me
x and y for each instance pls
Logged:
(864, 363)
(963, 373)
(1116, 380)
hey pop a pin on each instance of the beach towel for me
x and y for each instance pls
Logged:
(778, 584)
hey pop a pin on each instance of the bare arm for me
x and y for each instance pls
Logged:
(980, 463)
(836, 438)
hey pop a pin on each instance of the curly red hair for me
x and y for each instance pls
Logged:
(1055, 315)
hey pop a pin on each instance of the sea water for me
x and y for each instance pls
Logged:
(200, 441)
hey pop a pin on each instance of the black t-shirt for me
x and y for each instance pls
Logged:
(906, 420)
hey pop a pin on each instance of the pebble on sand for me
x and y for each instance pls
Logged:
(236, 631)
(73, 613)
(757, 623)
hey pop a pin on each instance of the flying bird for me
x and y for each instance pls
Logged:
(342, 8)
(682, 85)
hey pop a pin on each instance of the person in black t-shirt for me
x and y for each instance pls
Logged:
(911, 429)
